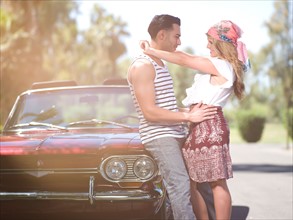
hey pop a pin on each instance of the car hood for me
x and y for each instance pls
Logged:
(67, 143)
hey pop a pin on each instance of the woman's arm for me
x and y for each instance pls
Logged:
(201, 64)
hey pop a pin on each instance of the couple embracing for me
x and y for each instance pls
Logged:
(195, 166)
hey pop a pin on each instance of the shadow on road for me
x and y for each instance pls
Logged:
(239, 212)
(265, 168)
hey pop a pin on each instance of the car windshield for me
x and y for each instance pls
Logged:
(75, 107)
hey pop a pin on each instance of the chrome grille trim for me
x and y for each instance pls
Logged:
(91, 195)
(91, 189)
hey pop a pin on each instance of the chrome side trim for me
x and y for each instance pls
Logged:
(117, 195)
(33, 172)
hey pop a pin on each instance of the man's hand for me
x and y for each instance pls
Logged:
(184, 109)
(200, 112)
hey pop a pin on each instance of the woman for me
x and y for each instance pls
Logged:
(206, 150)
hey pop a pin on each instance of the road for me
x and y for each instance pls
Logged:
(263, 181)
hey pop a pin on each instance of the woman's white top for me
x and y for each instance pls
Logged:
(203, 91)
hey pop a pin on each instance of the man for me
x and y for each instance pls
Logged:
(162, 127)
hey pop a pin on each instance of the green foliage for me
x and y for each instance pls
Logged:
(288, 121)
(279, 59)
(26, 28)
(182, 77)
(231, 113)
(88, 55)
(230, 116)
(40, 40)
(272, 66)
(251, 124)
(122, 67)
(274, 133)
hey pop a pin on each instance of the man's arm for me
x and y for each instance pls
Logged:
(141, 75)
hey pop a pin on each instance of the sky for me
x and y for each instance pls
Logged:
(196, 18)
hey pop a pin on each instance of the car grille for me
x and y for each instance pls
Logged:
(59, 172)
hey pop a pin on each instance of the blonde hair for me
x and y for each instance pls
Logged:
(228, 52)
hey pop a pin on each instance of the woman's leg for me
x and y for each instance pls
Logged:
(222, 199)
(198, 203)
(207, 194)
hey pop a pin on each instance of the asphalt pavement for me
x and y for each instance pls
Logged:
(262, 186)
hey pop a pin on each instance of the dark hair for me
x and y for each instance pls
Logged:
(162, 22)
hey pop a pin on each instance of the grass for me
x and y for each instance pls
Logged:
(272, 134)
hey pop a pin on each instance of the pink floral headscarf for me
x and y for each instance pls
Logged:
(229, 32)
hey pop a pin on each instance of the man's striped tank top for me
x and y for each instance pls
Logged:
(165, 98)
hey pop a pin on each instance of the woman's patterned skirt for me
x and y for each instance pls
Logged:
(206, 150)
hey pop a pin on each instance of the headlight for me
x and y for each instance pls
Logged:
(144, 168)
(115, 168)
(128, 168)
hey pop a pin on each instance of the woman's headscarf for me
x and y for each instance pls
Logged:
(229, 32)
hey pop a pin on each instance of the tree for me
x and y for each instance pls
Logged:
(88, 55)
(26, 28)
(40, 41)
(182, 77)
(280, 57)
(102, 46)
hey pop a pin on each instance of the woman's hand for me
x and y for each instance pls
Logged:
(144, 44)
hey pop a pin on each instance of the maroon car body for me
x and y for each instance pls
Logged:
(76, 150)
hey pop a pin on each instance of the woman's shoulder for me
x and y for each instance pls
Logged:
(219, 61)
(221, 64)
(224, 68)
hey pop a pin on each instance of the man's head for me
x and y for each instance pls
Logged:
(165, 32)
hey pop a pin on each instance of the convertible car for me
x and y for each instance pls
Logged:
(69, 150)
